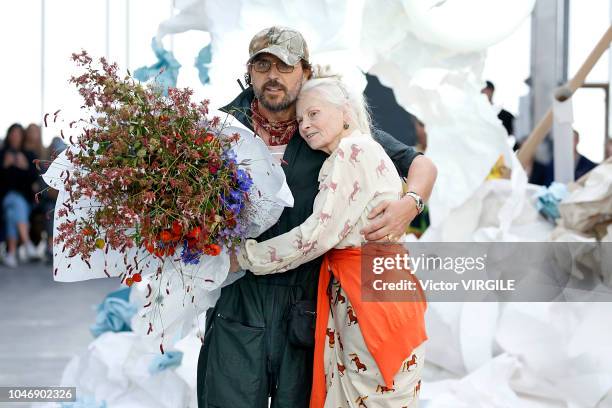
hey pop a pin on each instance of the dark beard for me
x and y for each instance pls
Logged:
(285, 103)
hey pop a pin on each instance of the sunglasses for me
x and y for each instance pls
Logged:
(264, 65)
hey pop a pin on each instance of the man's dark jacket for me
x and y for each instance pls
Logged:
(246, 356)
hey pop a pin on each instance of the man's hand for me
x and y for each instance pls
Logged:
(392, 220)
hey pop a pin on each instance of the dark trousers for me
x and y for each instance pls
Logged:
(246, 357)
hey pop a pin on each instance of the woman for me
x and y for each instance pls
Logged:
(17, 173)
(39, 215)
(33, 142)
(366, 354)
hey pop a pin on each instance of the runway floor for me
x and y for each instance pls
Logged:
(43, 323)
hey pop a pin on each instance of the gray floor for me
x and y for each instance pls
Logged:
(43, 323)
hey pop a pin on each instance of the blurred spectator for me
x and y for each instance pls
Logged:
(34, 144)
(17, 173)
(583, 165)
(506, 117)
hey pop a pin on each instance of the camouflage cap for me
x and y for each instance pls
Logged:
(282, 42)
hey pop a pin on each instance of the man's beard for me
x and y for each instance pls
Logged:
(287, 101)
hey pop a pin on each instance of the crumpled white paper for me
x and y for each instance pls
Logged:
(563, 345)
(486, 387)
(191, 16)
(428, 53)
(499, 210)
(590, 200)
(114, 371)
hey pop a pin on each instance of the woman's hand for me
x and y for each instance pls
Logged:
(9, 160)
(234, 264)
(21, 161)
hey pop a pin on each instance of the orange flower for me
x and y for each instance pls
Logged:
(212, 249)
(129, 281)
(166, 236)
(177, 230)
(194, 233)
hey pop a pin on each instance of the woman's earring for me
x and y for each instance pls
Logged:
(345, 126)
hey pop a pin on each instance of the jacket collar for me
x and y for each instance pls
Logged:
(240, 108)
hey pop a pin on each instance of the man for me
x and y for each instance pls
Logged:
(246, 356)
(506, 117)
(581, 163)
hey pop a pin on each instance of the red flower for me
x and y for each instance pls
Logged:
(177, 230)
(137, 277)
(194, 233)
(212, 249)
(166, 236)
(231, 222)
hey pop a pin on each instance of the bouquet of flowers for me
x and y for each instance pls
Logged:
(151, 186)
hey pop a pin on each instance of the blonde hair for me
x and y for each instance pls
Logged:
(331, 87)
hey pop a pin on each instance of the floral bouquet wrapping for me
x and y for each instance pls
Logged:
(156, 192)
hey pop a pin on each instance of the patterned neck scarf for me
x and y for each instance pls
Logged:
(280, 132)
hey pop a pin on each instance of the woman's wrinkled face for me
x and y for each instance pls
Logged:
(320, 122)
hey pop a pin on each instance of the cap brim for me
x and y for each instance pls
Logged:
(280, 53)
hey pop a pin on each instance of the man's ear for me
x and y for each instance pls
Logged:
(247, 75)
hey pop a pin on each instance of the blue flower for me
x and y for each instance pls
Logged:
(190, 256)
(229, 156)
(244, 180)
(234, 201)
